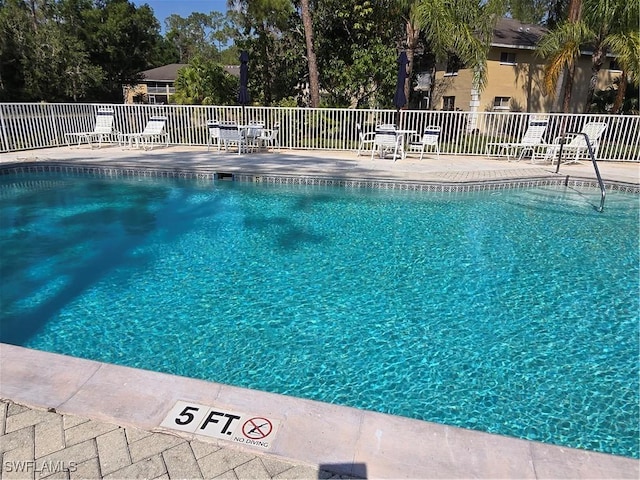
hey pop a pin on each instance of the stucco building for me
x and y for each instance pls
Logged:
(514, 76)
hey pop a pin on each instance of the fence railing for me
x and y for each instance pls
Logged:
(25, 126)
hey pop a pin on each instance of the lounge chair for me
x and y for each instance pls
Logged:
(364, 139)
(574, 145)
(429, 139)
(532, 138)
(102, 130)
(154, 132)
(386, 140)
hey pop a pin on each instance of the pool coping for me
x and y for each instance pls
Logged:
(345, 440)
(209, 173)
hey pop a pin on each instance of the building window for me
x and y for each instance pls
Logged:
(501, 103)
(453, 65)
(507, 58)
(613, 65)
(448, 103)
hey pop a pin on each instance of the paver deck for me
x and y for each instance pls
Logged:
(62, 417)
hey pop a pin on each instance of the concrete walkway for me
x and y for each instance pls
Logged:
(334, 164)
(62, 417)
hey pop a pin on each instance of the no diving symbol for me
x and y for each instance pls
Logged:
(257, 428)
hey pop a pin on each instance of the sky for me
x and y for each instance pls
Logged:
(163, 8)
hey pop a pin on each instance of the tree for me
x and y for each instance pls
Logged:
(626, 47)
(599, 24)
(122, 40)
(15, 33)
(261, 24)
(41, 57)
(463, 28)
(314, 86)
(611, 23)
(357, 46)
(532, 11)
(410, 16)
(204, 82)
(196, 35)
(561, 49)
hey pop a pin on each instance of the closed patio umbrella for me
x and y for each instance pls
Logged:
(243, 92)
(400, 99)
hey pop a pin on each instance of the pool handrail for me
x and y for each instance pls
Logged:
(595, 166)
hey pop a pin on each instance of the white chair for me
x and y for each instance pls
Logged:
(533, 137)
(214, 134)
(576, 148)
(269, 137)
(231, 134)
(387, 140)
(253, 132)
(154, 132)
(429, 139)
(103, 129)
(364, 139)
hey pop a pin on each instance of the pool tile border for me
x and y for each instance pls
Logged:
(418, 186)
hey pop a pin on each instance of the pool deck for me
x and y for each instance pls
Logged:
(63, 417)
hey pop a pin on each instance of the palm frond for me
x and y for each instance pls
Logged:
(626, 48)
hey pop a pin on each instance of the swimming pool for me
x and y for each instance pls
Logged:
(513, 311)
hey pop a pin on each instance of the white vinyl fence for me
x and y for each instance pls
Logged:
(25, 126)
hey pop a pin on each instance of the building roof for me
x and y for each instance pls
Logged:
(168, 73)
(515, 34)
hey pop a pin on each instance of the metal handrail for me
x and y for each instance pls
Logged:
(595, 165)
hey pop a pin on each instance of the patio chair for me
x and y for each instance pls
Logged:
(429, 139)
(102, 130)
(364, 139)
(387, 139)
(154, 132)
(532, 137)
(214, 134)
(231, 134)
(574, 146)
(252, 133)
(269, 137)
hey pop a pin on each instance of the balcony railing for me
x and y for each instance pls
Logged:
(25, 126)
(165, 90)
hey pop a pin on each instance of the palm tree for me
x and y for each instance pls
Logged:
(412, 30)
(626, 48)
(463, 28)
(600, 24)
(607, 19)
(561, 48)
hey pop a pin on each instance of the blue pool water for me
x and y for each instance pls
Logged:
(514, 312)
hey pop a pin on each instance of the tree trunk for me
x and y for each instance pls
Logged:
(413, 33)
(568, 87)
(314, 84)
(622, 90)
(575, 9)
(266, 80)
(597, 59)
